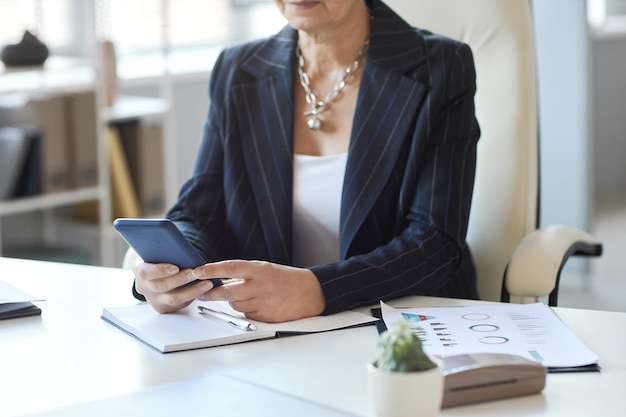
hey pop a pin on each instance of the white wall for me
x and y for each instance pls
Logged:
(564, 74)
(609, 133)
(191, 104)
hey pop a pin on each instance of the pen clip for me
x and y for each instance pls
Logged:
(248, 327)
(228, 318)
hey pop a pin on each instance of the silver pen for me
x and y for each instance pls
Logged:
(232, 320)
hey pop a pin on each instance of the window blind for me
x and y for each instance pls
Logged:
(137, 26)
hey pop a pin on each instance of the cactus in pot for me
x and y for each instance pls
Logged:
(401, 351)
(403, 381)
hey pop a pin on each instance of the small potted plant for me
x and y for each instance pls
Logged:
(404, 381)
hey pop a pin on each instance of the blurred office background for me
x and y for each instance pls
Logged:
(165, 49)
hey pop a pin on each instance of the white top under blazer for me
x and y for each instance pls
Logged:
(317, 187)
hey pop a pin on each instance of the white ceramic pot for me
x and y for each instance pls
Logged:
(405, 394)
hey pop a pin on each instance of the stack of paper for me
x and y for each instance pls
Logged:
(529, 330)
(14, 303)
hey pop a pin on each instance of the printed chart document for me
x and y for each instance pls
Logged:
(533, 331)
(189, 329)
(15, 303)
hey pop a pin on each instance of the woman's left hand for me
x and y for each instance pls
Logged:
(265, 291)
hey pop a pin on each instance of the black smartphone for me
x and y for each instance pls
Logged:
(160, 241)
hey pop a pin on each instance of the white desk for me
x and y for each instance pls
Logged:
(70, 362)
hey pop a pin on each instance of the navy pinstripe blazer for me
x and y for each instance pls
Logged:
(409, 175)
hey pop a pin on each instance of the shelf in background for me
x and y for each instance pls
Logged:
(57, 73)
(612, 28)
(89, 236)
(51, 200)
(135, 107)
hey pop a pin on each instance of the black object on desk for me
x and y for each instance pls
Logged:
(17, 310)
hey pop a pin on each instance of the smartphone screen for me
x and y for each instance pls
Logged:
(160, 241)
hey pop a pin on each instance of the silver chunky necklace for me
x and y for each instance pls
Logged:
(317, 107)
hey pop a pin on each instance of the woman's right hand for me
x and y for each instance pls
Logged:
(163, 286)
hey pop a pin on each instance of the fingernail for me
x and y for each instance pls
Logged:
(172, 269)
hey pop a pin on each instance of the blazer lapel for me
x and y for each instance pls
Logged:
(386, 108)
(265, 120)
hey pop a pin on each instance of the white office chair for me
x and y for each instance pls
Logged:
(513, 257)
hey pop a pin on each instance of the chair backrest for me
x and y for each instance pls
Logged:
(505, 202)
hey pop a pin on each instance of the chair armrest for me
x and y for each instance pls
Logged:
(534, 269)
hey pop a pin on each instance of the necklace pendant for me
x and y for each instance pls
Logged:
(318, 106)
(314, 123)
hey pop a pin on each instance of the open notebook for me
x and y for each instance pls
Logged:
(188, 329)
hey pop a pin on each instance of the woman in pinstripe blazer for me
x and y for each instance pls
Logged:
(315, 206)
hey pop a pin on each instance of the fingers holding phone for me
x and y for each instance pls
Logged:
(168, 258)
(166, 287)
